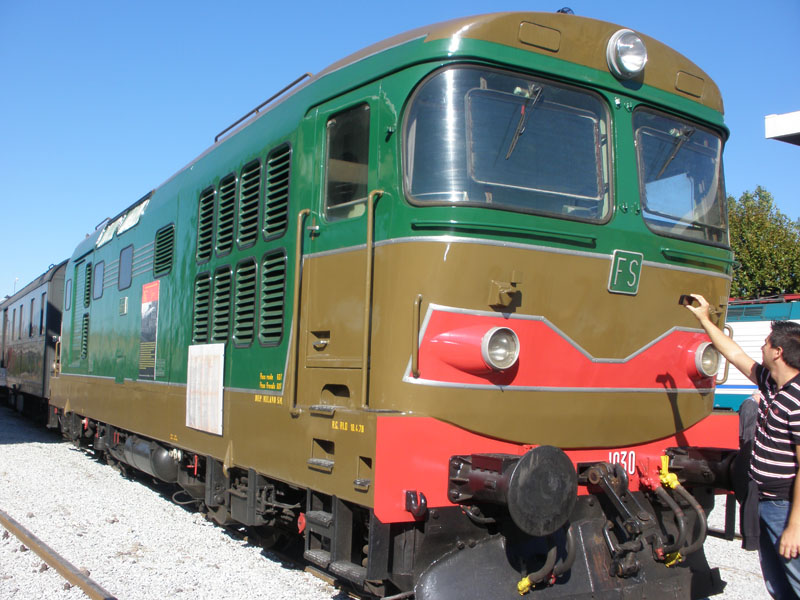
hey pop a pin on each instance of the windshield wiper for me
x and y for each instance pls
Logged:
(682, 136)
(525, 111)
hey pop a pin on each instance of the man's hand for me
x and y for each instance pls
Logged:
(790, 541)
(732, 352)
(703, 311)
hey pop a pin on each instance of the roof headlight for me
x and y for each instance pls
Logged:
(626, 54)
(706, 359)
(500, 348)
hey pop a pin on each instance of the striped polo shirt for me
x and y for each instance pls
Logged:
(773, 465)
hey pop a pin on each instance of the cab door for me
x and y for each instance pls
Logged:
(335, 275)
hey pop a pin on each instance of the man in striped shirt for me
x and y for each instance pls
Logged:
(776, 452)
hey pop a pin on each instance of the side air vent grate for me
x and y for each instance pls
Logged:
(202, 307)
(276, 211)
(226, 203)
(222, 305)
(87, 288)
(85, 337)
(249, 192)
(273, 285)
(165, 249)
(205, 225)
(244, 322)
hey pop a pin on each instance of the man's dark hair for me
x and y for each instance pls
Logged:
(786, 335)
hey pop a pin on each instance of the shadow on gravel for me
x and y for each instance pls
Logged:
(16, 429)
(288, 556)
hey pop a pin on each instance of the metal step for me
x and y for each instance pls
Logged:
(319, 517)
(350, 571)
(321, 558)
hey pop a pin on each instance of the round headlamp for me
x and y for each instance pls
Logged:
(500, 348)
(626, 54)
(706, 359)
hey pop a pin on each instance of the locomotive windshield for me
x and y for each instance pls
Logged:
(680, 177)
(500, 140)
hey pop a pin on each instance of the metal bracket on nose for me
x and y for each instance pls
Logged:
(416, 506)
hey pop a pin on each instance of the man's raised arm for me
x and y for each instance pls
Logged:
(732, 352)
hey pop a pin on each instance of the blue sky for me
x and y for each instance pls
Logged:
(100, 102)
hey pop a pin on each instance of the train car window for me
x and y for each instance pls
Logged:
(13, 323)
(31, 324)
(42, 313)
(680, 178)
(249, 201)
(347, 163)
(494, 139)
(21, 311)
(125, 273)
(164, 251)
(30, 320)
(244, 306)
(226, 204)
(273, 295)
(97, 277)
(276, 195)
(68, 295)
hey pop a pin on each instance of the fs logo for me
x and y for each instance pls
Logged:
(626, 267)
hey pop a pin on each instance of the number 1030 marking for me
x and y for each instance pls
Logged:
(626, 458)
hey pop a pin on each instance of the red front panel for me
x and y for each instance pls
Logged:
(548, 359)
(413, 453)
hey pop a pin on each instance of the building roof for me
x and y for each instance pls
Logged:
(785, 128)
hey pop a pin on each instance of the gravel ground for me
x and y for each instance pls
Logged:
(138, 545)
(132, 540)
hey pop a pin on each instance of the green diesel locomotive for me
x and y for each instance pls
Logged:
(423, 308)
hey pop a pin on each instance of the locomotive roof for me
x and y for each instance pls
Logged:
(566, 37)
(569, 37)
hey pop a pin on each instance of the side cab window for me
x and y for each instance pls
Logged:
(125, 274)
(347, 163)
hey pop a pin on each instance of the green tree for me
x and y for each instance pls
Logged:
(766, 244)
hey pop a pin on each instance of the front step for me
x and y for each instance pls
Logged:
(329, 537)
(321, 558)
(350, 571)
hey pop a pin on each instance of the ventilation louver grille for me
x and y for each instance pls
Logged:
(277, 202)
(165, 249)
(273, 284)
(202, 306)
(222, 306)
(87, 288)
(85, 337)
(226, 203)
(245, 304)
(249, 193)
(205, 225)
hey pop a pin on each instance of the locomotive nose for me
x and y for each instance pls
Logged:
(542, 490)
